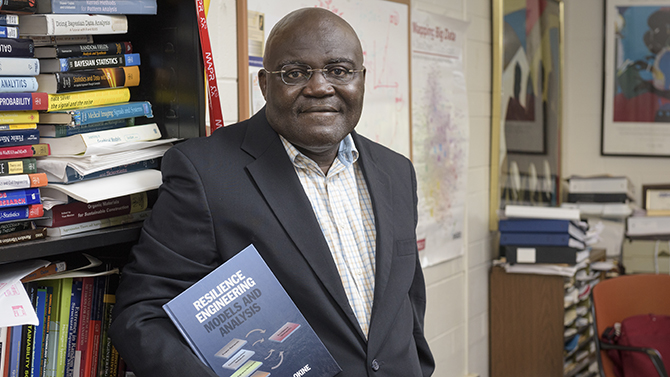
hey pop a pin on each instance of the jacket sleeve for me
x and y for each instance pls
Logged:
(176, 248)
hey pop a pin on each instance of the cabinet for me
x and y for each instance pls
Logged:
(527, 325)
(172, 80)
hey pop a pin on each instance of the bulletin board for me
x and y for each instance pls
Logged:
(383, 27)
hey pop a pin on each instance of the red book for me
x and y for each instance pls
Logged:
(34, 150)
(82, 348)
(95, 328)
(79, 212)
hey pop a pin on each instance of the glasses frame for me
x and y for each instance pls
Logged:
(311, 71)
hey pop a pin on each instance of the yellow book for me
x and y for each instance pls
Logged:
(18, 126)
(87, 98)
(13, 117)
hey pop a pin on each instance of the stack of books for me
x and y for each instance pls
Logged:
(104, 156)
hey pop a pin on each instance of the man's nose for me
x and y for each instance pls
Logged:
(318, 84)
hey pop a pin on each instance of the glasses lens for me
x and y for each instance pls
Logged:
(295, 74)
(338, 74)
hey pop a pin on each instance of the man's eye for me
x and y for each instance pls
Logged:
(337, 72)
(295, 74)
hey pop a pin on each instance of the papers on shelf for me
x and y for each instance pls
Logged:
(15, 306)
(544, 269)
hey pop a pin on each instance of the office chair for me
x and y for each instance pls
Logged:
(618, 298)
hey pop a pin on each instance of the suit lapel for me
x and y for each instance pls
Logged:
(278, 183)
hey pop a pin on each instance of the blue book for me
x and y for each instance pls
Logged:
(18, 84)
(13, 138)
(221, 314)
(15, 349)
(104, 113)
(38, 335)
(542, 226)
(9, 19)
(9, 32)
(73, 326)
(64, 130)
(21, 212)
(539, 239)
(16, 48)
(88, 62)
(20, 197)
(95, 6)
(72, 176)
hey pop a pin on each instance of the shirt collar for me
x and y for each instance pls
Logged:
(347, 153)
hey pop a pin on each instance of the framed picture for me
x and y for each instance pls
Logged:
(636, 88)
(526, 117)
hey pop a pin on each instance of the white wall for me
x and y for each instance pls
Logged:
(457, 317)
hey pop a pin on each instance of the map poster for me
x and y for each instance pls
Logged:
(439, 134)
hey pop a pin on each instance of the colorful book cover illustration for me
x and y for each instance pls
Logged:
(241, 323)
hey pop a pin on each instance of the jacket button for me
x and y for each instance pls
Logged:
(375, 365)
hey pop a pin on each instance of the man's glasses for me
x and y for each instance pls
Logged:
(292, 74)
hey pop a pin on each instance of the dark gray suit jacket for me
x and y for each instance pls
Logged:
(237, 187)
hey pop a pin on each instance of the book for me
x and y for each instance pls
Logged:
(602, 185)
(18, 126)
(78, 212)
(23, 101)
(220, 317)
(21, 212)
(9, 19)
(19, 117)
(86, 98)
(47, 330)
(72, 24)
(88, 49)
(576, 230)
(15, 351)
(60, 40)
(34, 150)
(79, 63)
(73, 326)
(9, 32)
(19, 166)
(540, 239)
(18, 6)
(50, 269)
(5, 338)
(109, 299)
(19, 66)
(64, 130)
(98, 114)
(103, 141)
(17, 84)
(19, 137)
(82, 346)
(89, 79)
(16, 48)
(38, 346)
(530, 212)
(15, 226)
(647, 225)
(587, 197)
(545, 254)
(66, 230)
(20, 197)
(606, 210)
(27, 338)
(23, 236)
(97, 7)
(21, 181)
(72, 176)
(95, 190)
(62, 290)
(90, 362)
(61, 264)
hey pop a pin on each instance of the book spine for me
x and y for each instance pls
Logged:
(35, 150)
(18, 126)
(79, 212)
(109, 299)
(64, 130)
(97, 78)
(17, 84)
(109, 7)
(19, 67)
(59, 40)
(5, 339)
(47, 331)
(126, 134)
(23, 236)
(91, 62)
(19, 117)
(82, 347)
(95, 328)
(15, 226)
(19, 137)
(97, 49)
(63, 334)
(48, 270)
(21, 181)
(68, 101)
(72, 176)
(97, 224)
(20, 197)
(16, 48)
(73, 326)
(598, 198)
(15, 356)
(23, 101)
(534, 225)
(20, 166)
(38, 332)
(20, 213)
(75, 24)
(556, 239)
(9, 19)
(55, 287)
(9, 32)
(27, 339)
(18, 6)
(121, 111)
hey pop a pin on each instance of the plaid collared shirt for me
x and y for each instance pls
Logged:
(342, 205)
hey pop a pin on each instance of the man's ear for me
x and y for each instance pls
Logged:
(262, 82)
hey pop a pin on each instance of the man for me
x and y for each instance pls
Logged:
(331, 213)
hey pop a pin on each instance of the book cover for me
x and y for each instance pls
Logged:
(34, 150)
(72, 176)
(108, 301)
(88, 226)
(79, 212)
(18, 117)
(20, 181)
(18, 126)
(17, 84)
(40, 309)
(19, 197)
(99, 114)
(89, 79)
(73, 326)
(94, 6)
(72, 24)
(79, 63)
(16, 48)
(62, 290)
(19, 137)
(82, 346)
(61, 40)
(21, 212)
(545, 254)
(28, 337)
(15, 351)
(18, 6)
(90, 365)
(601, 184)
(74, 100)
(64, 130)
(576, 230)
(9, 19)
(23, 236)
(101, 142)
(92, 49)
(540, 239)
(9, 32)
(239, 320)
(23, 101)
(19, 67)
(19, 166)
(530, 212)
(16, 226)
(47, 330)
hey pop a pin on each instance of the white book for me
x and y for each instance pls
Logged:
(647, 225)
(103, 142)
(531, 212)
(17, 84)
(72, 24)
(19, 67)
(97, 224)
(95, 190)
(601, 185)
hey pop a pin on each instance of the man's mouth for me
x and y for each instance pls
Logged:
(319, 109)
